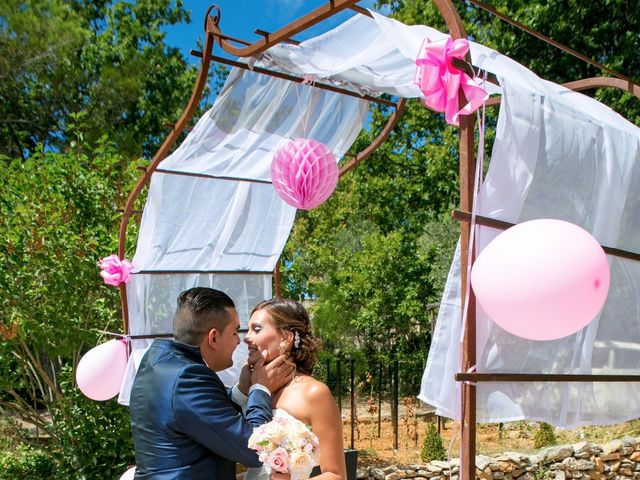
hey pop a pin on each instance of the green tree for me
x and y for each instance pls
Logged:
(107, 59)
(58, 217)
(544, 436)
(432, 448)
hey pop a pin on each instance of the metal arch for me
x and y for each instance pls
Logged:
(162, 153)
(212, 32)
(386, 131)
(289, 30)
(600, 82)
(467, 173)
(588, 84)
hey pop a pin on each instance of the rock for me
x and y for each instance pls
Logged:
(483, 462)
(392, 476)
(484, 474)
(557, 454)
(626, 450)
(434, 468)
(635, 456)
(614, 467)
(599, 464)
(610, 456)
(421, 473)
(556, 466)
(583, 455)
(362, 473)
(535, 459)
(410, 474)
(498, 475)
(441, 464)
(560, 475)
(377, 473)
(611, 447)
(626, 471)
(389, 469)
(505, 467)
(515, 473)
(527, 476)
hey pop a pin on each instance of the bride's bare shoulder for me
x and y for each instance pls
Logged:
(313, 390)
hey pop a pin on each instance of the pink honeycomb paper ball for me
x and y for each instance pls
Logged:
(304, 172)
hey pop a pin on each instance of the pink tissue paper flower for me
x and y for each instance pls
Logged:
(115, 271)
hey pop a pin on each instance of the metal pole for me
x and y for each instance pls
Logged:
(379, 397)
(339, 382)
(395, 401)
(353, 401)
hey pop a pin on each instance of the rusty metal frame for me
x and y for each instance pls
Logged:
(467, 172)
(213, 34)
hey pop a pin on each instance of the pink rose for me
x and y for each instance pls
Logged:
(279, 460)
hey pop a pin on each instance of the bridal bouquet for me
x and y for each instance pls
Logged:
(286, 445)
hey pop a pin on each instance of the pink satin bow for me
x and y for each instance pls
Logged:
(115, 271)
(440, 81)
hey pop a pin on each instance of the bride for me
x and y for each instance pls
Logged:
(282, 326)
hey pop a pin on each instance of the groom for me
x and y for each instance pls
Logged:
(184, 422)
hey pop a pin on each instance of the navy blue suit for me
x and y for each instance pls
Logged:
(184, 424)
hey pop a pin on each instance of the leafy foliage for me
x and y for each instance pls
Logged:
(432, 448)
(26, 462)
(107, 59)
(58, 215)
(544, 436)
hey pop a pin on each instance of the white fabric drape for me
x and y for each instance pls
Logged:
(226, 227)
(558, 154)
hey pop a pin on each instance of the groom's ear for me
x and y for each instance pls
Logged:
(212, 337)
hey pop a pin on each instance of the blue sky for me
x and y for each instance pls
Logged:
(239, 18)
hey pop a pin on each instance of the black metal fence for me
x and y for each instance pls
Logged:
(380, 381)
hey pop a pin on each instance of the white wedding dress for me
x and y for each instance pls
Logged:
(261, 473)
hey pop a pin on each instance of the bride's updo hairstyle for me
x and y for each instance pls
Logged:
(292, 316)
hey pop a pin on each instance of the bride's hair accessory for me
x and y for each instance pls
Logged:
(296, 339)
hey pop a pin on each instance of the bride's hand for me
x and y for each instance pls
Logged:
(280, 476)
(244, 382)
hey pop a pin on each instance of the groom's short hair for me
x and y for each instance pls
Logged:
(199, 310)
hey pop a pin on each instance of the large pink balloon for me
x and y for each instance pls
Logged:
(542, 279)
(101, 370)
(304, 172)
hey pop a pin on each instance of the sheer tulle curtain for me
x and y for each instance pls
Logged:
(557, 154)
(226, 227)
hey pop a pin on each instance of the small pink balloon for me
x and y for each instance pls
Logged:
(304, 172)
(101, 370)
(542, 279)
(129, 474)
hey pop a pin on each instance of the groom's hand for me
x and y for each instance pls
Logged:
(273, 375)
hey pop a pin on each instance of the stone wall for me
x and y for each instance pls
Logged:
(617, 460)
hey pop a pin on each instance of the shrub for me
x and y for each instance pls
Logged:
(544, 436)
(432, 448)
(26, 462)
